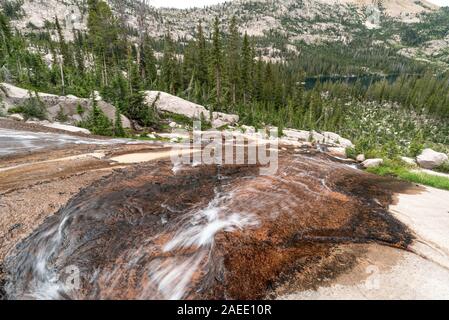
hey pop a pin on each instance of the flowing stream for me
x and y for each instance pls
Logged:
(197, 232)
(13, 141)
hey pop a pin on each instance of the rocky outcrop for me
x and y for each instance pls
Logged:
(330, 138)
(70, 105)
(166, 102)
(430, 159)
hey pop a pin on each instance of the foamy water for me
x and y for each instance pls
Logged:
(172, 275)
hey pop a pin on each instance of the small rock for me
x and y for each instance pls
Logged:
(372, 163)
(306, 144)
(430, 159)
(360, 158)
(339, 152)
(408, 160)
(173, 124)
(97, 96)
(248, 129)
(151, 136)
(16, 117)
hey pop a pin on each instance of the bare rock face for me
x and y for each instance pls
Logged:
(430, 159)
(166, 102)
(69, 105)
(372, 163)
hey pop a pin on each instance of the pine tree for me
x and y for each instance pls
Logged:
(168, 72)
(5, 38)
(148, 63)
(247, 66)
(233, 65)
(63, 47)
(103, 36)
(118, 125)
(202, 57)
(217, 60)
(79, 54)
(97, 122)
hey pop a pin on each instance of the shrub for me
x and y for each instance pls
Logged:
(416, 146)
(80, 110)
(61, 116)
(13, 9)
(31, 108)
(118, 125)
(351, 153)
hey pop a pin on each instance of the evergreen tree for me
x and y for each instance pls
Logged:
(97, 122)
(233, 65)
(217, 61)
(118, 126)
(63, 46)
(148, 63)
(168, 69)
(247, 66)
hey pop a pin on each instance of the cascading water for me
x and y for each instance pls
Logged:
(147, 232)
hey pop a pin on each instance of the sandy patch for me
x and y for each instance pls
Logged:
(148, 156)
(95, 155)
(385, 273)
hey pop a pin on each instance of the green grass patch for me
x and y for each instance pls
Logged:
(444, 168)
(396, 169)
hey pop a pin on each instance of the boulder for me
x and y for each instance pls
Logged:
(372, 163)
(430, 159)
(169, 103)
(333, 138)
(360, 158)
(220, 119)
(16, 117)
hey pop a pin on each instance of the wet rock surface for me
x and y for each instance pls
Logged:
(149, 232)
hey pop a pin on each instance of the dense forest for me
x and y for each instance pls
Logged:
(225, 71)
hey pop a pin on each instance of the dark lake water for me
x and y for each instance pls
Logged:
(365, 80)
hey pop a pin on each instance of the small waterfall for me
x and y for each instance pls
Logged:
(172, 275)
(205, 232)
